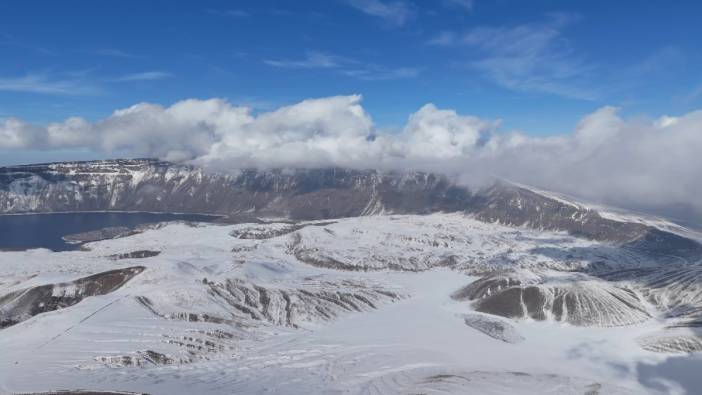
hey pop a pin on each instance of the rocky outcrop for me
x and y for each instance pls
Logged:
(675, 290)
(676, 340)
(494, 283)
(249, 303)
(22, 305)
(447, 380)
(140, 254)
(269, 231)
(577, 300)
(493, 327)
(291, 307)
(100, 234)
(520, 206)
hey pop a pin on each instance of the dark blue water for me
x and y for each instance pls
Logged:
(22, 232)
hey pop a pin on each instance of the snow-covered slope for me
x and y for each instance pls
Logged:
(368, 305)
(307, 194)
(342, 281)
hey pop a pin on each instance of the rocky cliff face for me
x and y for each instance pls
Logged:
(151, 185)
(309, 194)
(521, 206)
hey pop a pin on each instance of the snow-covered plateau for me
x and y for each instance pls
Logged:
(383, 304)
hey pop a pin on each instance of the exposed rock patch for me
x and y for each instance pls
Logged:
(492, 284)
(582, 304)
(292, 307)
(493, 327)
(673, 341)
(269, 231)
(437, 380)
(21, 305)
(139, 359)
(141, 254)
(674, 290)
(247, 303)
(577, 300)
(100, 234)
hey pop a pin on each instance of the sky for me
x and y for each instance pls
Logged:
(595, 98)
(545, 65)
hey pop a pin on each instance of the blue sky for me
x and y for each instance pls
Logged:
(539, 66)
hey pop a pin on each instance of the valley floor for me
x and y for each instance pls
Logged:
(296, 309)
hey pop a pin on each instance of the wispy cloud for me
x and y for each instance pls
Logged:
(114, 53)
(377, 73)
(346, 66)
(443, 39)
(8, 41)
(144, 76)
(694, 94)
(528, 57)
(395, 13)
(312, 60)
(45, 83)
(466, 5)
(232, 13)
(660, 60)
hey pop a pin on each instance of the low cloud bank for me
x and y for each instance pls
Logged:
(635, 163)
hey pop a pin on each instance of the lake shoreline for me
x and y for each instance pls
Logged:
(111, 211)
(22, 232)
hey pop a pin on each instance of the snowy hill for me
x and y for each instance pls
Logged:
(367, 282)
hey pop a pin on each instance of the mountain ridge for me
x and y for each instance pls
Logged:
(311, 194)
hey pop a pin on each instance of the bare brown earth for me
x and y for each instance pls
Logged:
(24, 304)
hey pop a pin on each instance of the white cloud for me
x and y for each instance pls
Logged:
(318, 132)
(114, 53)
(432, 133)
(313, 60)
(48, 84)
(638, 163)
(346, 66)
(144, 76)
(395, 13)
(533, 57)
(373, 72)
(15, 133)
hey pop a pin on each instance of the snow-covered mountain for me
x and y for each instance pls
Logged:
(308, 194)
(344, 281)
(151, 185)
